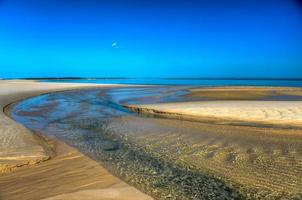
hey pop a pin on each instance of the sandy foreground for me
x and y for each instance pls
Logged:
(65, 174)
(35, 167)
(282, 113)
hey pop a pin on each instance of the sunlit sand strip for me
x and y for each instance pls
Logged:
(66, 174)
(283, 113)
(18, 146)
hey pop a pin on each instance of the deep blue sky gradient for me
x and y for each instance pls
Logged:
(158, 38)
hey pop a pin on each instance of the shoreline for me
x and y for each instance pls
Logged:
(51, 168)
(78, 175)
(12, 93)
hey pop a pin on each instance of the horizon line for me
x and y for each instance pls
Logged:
(162, 78)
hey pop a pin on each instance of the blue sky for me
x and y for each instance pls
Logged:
(188, 38)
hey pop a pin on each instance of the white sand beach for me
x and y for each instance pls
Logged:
(266, 112)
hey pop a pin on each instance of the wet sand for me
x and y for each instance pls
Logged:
(34, 167)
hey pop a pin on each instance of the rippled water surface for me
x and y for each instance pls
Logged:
(169, 158)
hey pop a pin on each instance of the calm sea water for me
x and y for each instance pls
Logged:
(193, 82)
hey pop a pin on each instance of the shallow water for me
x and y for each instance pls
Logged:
(169, 158)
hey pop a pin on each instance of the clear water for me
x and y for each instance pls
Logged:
(169, 158)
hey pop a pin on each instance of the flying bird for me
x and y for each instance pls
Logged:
(115, 45)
